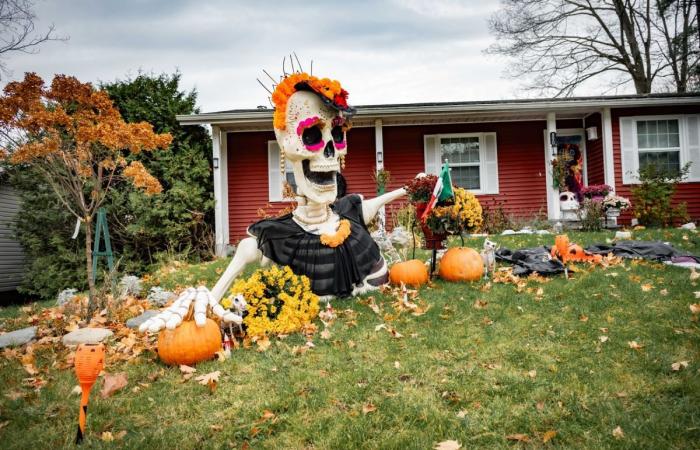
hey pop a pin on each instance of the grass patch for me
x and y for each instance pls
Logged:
(522, 364)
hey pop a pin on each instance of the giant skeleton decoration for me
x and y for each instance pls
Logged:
(323, 238)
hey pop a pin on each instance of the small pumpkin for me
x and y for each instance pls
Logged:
(461, 264)
(411, 273)
(189, 344)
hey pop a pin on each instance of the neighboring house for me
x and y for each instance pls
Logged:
(498, 149)
(11, 255)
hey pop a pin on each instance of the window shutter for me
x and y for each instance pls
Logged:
(489, 171)
(628, 149)
(692, 147)
(431, 147)
(273, 168)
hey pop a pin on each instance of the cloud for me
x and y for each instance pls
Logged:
(389, 51)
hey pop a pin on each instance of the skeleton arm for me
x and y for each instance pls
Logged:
(246, 253)
(370, 208)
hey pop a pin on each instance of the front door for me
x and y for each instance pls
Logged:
(571, 148)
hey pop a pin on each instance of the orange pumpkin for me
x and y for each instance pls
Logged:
(461, 264)
(410, 273)
(189, 344)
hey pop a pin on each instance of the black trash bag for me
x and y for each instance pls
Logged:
(653, 250)
(528, 260)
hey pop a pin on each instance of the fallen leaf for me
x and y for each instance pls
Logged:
(368, 408)
(697, 294)
(209, 379)
(448, 445)
(112, 383)
(539, 406)
(583, 318)
(621, 394)
(397, 365)
(532, 374)
(663, 292)
(14, 395)
(695, 308)
(693, 274)
(107, 436)
(634, 345)
(462, 413)
(325, 334)
(548, 436)
(518, 437)
(4, 424)
(263, 344)
(77, 390)
(480, 304)
(216, 427)
(187, 371)
(646, 287)
(603, 338)
(618, 433)
(679, 365)
(223, 355)
(381, 326)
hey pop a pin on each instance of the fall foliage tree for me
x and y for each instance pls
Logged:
(72, 134)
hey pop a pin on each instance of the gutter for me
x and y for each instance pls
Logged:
(258, 117)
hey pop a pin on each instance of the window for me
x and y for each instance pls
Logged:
(462, 153)
(668, 142)
(659, 144)
(275, 180)
(472, 159)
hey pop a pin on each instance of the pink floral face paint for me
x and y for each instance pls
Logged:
(338, 133)
(310, 133)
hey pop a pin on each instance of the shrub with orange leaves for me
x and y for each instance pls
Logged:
(76, 138)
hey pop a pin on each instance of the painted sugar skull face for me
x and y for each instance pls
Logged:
(313, 140)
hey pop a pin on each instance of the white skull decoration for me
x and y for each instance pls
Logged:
(313, 142)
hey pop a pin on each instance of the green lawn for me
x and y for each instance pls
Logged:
(526, 363)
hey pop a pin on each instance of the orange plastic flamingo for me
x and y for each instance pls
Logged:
(89, 361)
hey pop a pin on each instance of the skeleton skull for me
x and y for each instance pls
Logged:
(313, 142)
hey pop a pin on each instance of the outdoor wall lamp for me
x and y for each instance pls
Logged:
(553, 142)
(216, 163)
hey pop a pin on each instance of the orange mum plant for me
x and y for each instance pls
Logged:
(77, 140)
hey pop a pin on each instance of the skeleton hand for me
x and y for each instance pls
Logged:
(173, 315)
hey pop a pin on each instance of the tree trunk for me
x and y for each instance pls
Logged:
(93, 302)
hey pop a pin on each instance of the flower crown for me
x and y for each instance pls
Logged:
(330, 92)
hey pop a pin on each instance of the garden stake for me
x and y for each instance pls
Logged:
(89, 361)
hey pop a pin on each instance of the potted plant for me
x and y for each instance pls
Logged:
(614, 204)
(419, 191)
(596, 191)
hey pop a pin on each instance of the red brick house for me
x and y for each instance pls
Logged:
(498, 149)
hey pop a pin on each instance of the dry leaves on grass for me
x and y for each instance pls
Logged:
(112, 383)
(210, 380)
(107, 436)
(618, 433)
(679, 365)
(520, 437)
(548, 436)
(695, 308)
(187, 372)
(448, 445)
(480, 304)
(634, 345)
(646, 287)
(368, 408)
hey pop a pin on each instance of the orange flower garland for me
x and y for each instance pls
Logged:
(330, 89)
(334, 240)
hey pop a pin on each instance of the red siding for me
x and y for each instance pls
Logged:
(248, 175)
(520, 149)
(594, 152)
(686, 192)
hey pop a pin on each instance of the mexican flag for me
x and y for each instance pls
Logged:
(442, 191)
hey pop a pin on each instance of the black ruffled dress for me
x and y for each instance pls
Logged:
(332, 270)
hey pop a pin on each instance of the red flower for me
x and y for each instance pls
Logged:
(341, 99)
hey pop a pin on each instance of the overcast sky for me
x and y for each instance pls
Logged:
(386, 51)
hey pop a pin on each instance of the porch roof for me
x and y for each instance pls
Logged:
(453, 112)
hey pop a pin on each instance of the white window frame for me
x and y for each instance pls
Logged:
(684, 156)
(482, 158)
(679, 149)
(275, 177)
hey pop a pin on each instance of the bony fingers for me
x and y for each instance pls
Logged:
(157, 325)
(173, 323)
(200, 319)
(232, 317)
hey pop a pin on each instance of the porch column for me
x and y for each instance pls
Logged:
(219, 153)
(379, 157)
(608, 161)
(553, 211)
